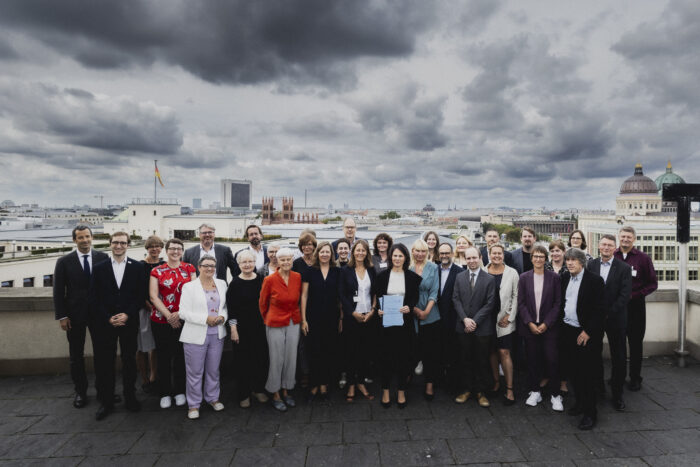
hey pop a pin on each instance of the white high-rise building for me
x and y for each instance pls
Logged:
(236, 193)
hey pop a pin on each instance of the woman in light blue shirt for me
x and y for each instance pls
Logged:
(427, 315)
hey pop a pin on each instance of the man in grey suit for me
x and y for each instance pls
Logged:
(474, 299)
(223, 254)
(618, 286)
(71, 288)
(521, 257)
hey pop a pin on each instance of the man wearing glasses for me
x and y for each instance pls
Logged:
(71, 286)
(118, 293)
(206, 247)
(349, 231)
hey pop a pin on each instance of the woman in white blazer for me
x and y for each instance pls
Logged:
(507, 308)
(203, 309)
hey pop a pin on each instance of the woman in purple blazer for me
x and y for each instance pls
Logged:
(539, 298)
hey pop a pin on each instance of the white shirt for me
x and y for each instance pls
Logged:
(203, 252)
(397, 284)
(259, 256)
(443, 277)
(364, 299)
(570, 316)
(89, 258)
(476, 275)
(119, 269)
(605, 269)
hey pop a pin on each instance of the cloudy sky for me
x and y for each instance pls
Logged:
(375, 103)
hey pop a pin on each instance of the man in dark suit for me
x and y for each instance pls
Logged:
(617, 276)
(254, 235)
(71, 287)
(349, 232)
(474, 300)
(447, 273)
(118, 292)
(492, 237)
(583, 311)
(223, 255)
(521, 257)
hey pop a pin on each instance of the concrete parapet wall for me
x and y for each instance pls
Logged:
(31, 341)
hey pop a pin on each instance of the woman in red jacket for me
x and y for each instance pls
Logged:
(279, 306)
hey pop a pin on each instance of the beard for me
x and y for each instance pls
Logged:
(255, 241)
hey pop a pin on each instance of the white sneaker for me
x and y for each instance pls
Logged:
(165, 402)
(419, 368)
(557, 404)
(193, 414)
(180, 400)
(218, 406)
(534, 398)
(343, 380)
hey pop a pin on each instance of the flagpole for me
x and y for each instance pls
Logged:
(155, 196)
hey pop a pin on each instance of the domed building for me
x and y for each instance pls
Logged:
(668, 178)
(638, 196)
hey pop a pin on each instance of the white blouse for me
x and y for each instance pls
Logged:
(364, 298)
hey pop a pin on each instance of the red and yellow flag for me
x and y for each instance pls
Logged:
(158, 176)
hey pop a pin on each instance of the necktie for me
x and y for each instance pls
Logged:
(471, 280)
(86, 266)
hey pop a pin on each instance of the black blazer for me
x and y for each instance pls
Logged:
(224, 259)
(410, 298)
(507, 257)
(71, 287)
(109, 299)
(590, 305)
(618, 288)
(347, 289)
(448, 315)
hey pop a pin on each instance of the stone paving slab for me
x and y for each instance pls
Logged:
(661, 426)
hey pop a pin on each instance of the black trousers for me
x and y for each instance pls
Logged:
(618, 361)
(171, 359)
(636, 327)
(105, 356)
(582, 361)
(542, 352)
(76, 351)
(430, 348)
(395, 349)
(359, 341)
(251, 362)
(449, 357)
(474, 354)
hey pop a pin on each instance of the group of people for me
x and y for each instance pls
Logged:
(457, 315)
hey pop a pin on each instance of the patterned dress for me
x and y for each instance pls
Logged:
(170, 283)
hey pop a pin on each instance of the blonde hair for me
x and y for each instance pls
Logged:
(419, 244)
(469, 244)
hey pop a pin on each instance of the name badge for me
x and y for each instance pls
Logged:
(634, 272)
(356, 299)
(382, 264)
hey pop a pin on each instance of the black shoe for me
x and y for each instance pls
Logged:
(635, 385)
(149, 388)
(386, 405)
(117, 399)
(102, 412)
(428, 397)
(618, 404)
(132, 404)
(587, 423)
(79, 401)
(574, 411)
(402, 405)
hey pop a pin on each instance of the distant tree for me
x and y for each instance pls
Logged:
(390, 215)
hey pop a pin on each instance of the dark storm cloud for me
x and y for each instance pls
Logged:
(528, 106)
(287, 41)
(665, 54)
(416, 119)
(76, 117)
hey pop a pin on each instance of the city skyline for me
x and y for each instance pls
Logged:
(380, 103)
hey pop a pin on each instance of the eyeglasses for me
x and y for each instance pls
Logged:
(174, 249)
(209, 232)
(120, 243)
(208, 266)
(538, 257)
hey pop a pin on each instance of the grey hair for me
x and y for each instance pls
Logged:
(206, 224)
(575, 253)
(284, 251)
(206, 258)
(245, 254)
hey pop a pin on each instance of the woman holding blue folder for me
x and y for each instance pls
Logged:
(397, 292)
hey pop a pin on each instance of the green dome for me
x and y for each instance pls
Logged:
(668, 177)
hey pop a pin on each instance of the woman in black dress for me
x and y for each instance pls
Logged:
(395, 341)
(320, 317)
(248, 331)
